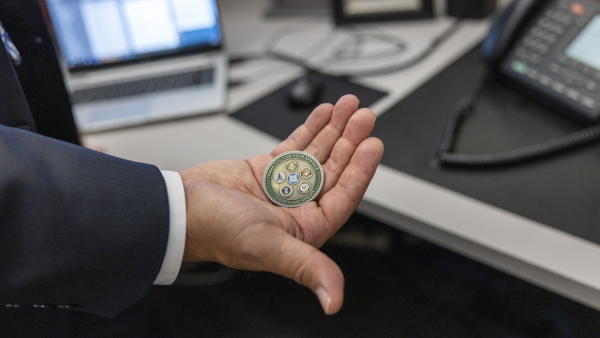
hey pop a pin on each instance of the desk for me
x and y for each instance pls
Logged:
(558, 261)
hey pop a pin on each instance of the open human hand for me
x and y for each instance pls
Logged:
(230, 220)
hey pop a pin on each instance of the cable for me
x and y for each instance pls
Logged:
(355, 50)
(340, 55)
(465, 107)
(415, 60)
(273, 40)
(268, 50)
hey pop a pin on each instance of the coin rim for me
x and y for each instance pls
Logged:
(288, 153)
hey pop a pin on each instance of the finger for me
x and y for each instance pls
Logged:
(341, 201)
(310, 267)
(323, 143)
(302, 136)
(358, 129)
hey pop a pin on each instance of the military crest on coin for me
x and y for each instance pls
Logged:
(291, 166)
(279, 177)
(304, 188)
(293, 179)
(306, 173)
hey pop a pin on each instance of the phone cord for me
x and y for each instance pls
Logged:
(446, 156)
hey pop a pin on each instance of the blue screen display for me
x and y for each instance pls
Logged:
(99, 32)
(586, 47)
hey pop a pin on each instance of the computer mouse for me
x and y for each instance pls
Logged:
(305, 92)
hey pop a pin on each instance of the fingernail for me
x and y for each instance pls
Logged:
(324, 299)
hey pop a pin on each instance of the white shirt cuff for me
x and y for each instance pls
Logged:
(177, 220)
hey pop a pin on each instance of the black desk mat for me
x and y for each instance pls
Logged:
(562, 191)
(273, 115)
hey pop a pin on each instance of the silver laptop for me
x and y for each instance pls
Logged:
(129, 62)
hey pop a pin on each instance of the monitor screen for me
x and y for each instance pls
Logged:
(586, 47)
(95, 33)
(359, 7)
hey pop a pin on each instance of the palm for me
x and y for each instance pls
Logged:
(306, 223)
(339, 138)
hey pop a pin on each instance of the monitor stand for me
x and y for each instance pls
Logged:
(286, 8)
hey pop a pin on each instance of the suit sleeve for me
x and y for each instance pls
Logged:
(77, 227)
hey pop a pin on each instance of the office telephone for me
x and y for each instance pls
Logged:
(550, 50)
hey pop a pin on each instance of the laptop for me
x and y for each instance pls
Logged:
(129, 62)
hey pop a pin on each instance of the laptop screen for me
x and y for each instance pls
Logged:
(97, 33)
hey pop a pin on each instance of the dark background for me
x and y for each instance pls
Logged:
(396, 286)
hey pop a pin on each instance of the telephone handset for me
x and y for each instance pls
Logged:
(505, 26)
(549, 49)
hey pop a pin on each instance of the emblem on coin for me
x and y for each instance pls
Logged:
(304, 188)
(283, 173)
(293, 179)
(286, 191)
(279, 177)
(291, 166)
(306, 173)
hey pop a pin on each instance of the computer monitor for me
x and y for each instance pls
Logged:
(356, 11)
(99, 33)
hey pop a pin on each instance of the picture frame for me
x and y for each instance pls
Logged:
(362, 11)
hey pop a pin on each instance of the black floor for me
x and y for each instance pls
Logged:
(396, 286)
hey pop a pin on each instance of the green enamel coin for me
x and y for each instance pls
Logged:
(293, 179)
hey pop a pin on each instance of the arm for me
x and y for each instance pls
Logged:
(89, 230)
(77, 227)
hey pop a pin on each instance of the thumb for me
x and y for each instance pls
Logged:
(309, 267)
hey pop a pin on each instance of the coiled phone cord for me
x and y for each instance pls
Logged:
(446, 156)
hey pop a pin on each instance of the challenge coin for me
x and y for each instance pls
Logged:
(293, 179)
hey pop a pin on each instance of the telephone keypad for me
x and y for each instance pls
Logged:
(588, 102)
(528, 56)
(559, 16)
(545, 80)
(573, 94)
(543, 35)
(564, 4)
(577, 77)
(558, 87)
(536, 45)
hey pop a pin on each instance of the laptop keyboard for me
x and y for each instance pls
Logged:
(152, 85)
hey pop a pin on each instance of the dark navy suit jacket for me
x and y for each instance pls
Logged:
(77, 227)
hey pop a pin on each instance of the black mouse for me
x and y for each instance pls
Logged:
(305, 92)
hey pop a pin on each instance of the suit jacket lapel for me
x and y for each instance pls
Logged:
(14, 110)
(10, 46)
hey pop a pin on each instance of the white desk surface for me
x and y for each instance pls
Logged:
(553, 259)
